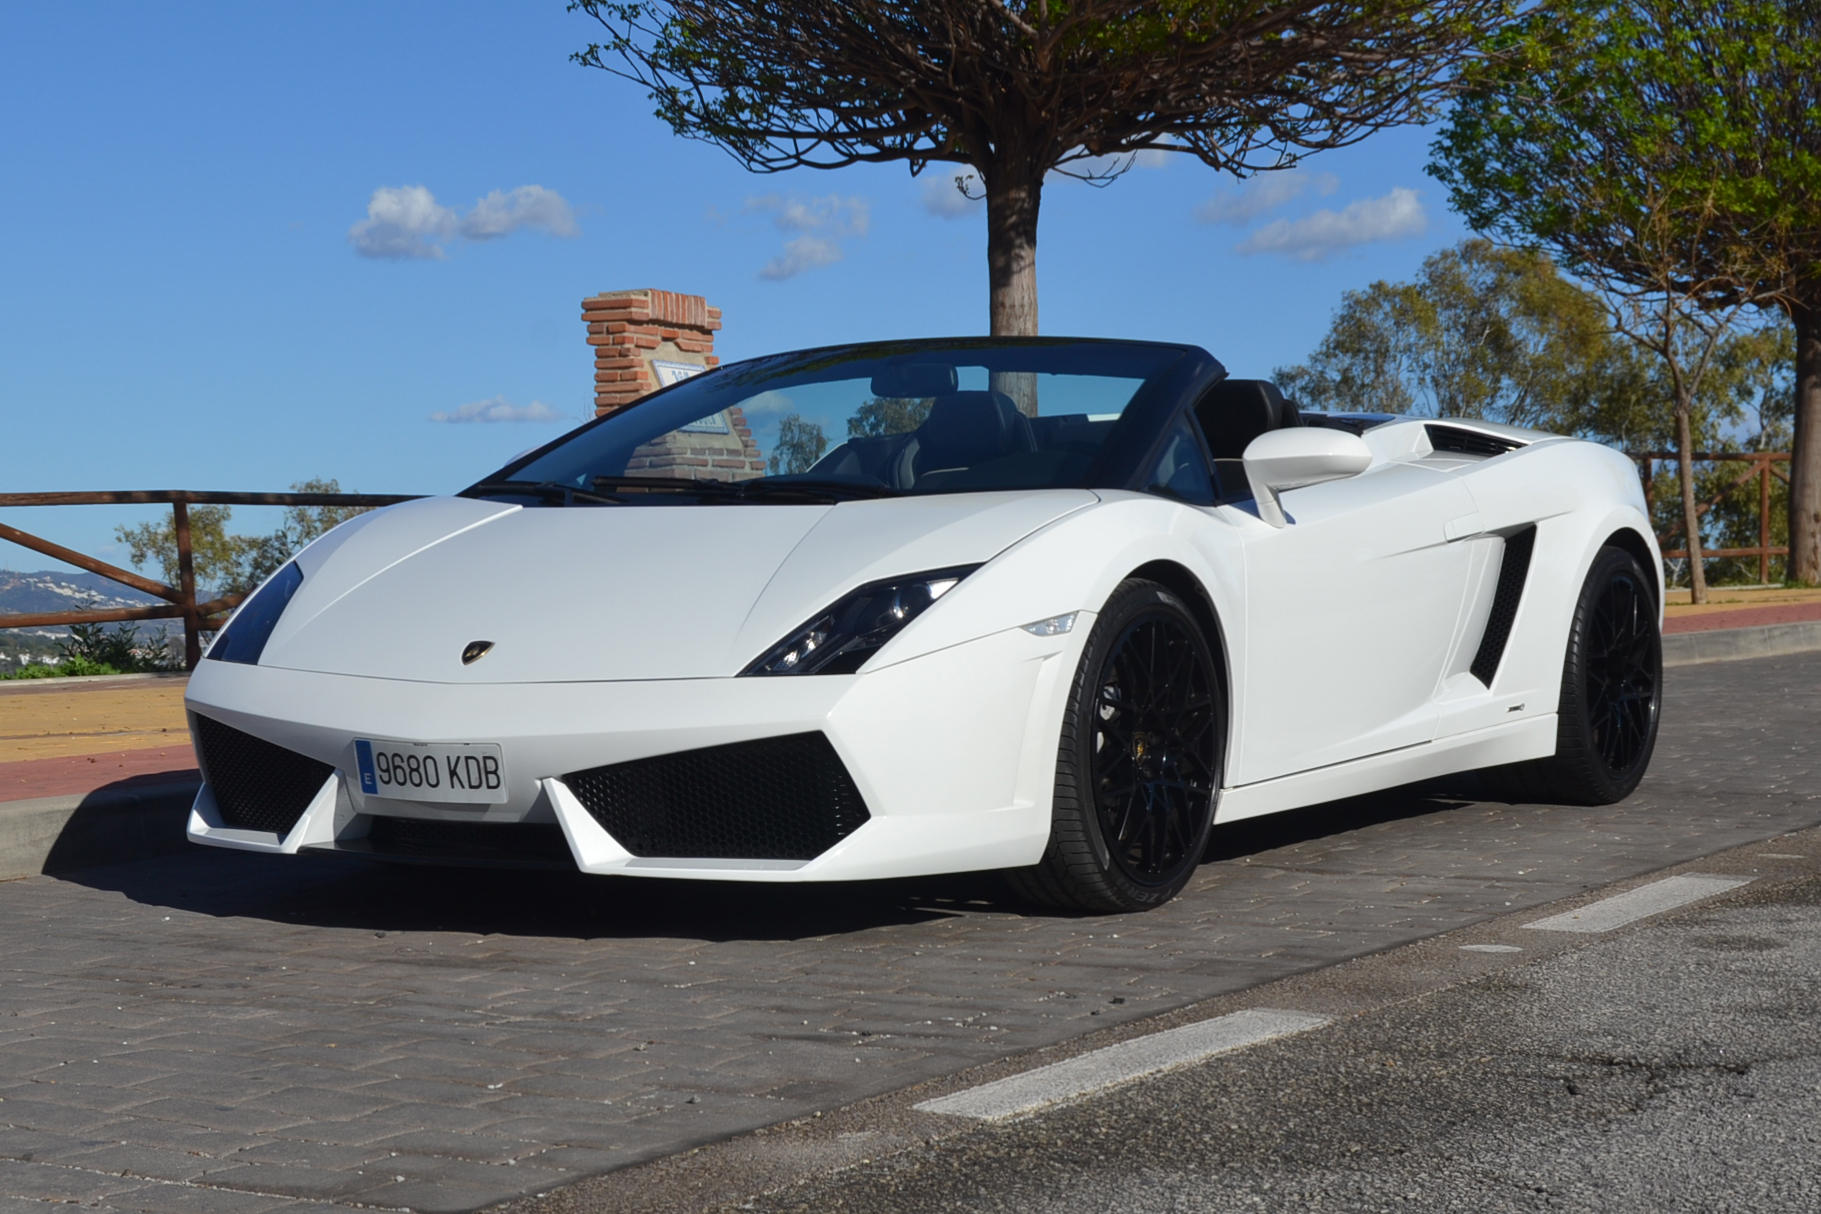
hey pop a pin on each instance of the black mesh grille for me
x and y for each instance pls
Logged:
(1456, 441)
(784, 798)
(257, 785)
(484, 843)
(1513, 569)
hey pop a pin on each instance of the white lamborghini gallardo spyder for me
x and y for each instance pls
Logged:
(1055, 606)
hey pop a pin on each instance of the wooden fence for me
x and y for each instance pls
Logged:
(179, 600)
(1763, 468)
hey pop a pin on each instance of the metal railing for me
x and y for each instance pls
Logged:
(179, 600)
(1763, 469)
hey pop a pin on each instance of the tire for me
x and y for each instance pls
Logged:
(1137, 771)
(1612, 694)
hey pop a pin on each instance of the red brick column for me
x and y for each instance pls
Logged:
(631, 329)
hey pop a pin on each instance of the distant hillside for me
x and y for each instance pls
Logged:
(44, 591)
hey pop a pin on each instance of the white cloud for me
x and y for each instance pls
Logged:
(800, 254)
(406, 222)
(529, 206)
(943, 199)
(822, 224)
(1261, 194)
(1325, 233)
(499, 409)
(402, 222)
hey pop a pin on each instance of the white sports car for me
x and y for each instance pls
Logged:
(1055, 606)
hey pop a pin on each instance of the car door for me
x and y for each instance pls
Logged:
(1351, 611)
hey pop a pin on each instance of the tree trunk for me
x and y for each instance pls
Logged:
(1805, 462)
(1013, 196)
(1691, 516)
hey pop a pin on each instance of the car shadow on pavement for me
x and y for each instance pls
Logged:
(372, 895)
(1254, 836)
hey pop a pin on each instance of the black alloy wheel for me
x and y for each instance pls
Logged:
(1138, 768)
(1611, 694)
(1624, 668)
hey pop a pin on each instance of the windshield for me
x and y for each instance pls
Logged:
(869, 421)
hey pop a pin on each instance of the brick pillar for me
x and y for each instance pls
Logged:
(632, 330)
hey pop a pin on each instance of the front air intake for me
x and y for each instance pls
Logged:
(257, 785)
(1514, 568)
(481, 844)
(786, 798)
(1458, 440)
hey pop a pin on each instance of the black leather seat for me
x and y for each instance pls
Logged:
(965, 429)
(1236, 411)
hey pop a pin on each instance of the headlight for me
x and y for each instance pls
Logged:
(841, 638)
(245, 639)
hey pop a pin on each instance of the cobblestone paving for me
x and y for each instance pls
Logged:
(219, 1032)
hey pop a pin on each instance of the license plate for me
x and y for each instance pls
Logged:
(471, 772)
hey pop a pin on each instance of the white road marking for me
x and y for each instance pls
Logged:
(1122, 1063)
(1491, 948)
(1779, 855)
(1639, 903)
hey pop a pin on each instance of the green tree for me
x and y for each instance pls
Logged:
(800, 444)
(888, 415)
(1018, 89)
(1483, 331)
(225, 563)
(1669, 152)
(217, 557)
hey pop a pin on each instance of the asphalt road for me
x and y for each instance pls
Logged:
(1674, 1067)
(242, 1033)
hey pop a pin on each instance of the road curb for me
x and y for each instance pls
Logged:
(52, 834)
(1732, 644)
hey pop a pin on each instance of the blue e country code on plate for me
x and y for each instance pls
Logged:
(462, 772)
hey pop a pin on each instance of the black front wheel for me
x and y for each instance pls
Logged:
(1138, 766)
(1612, 694)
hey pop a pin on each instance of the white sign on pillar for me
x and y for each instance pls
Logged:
(668, 373)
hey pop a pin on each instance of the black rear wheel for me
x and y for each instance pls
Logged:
(1612, 694)
(1139, 762)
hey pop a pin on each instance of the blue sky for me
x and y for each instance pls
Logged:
(192, 301)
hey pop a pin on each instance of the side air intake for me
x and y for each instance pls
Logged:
(786, 798)
(257, 785)
(1513, 570)
(1455, 440)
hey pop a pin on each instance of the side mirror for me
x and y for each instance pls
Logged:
(1290, 459)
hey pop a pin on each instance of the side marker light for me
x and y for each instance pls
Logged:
(1055, 626)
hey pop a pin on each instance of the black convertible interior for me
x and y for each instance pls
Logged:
(1233, 413)
(972, 437)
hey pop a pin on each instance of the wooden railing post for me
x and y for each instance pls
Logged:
(1764, 520)
(186, 586)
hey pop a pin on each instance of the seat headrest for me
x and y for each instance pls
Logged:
(1236, 411)
(969, 427)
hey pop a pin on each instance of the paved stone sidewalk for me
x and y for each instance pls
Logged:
(223, 1032)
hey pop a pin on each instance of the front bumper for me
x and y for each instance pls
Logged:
(953, 752)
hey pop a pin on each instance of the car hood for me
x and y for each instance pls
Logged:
(613, 592)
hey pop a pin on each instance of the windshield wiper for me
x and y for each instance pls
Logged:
(828, 490)
(760, 487)
(550, 491)
(668, 484)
